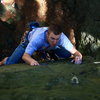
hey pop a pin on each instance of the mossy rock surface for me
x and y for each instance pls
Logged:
(50, 81)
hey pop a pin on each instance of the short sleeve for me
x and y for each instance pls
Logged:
(66, 43)
(33, 46)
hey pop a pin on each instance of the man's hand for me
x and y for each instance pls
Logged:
(34, 63)
(29, 60)
(78, 60)
(77, 56)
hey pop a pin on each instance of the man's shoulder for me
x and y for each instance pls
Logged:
(42, 28)
(38, 33)
(39, 30)
(63, 35)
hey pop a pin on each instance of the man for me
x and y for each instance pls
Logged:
(44, 39)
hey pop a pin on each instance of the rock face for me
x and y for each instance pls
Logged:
(50, 81)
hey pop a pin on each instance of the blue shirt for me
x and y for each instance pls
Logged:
(38, 41)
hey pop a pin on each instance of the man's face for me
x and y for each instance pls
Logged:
(52, 39)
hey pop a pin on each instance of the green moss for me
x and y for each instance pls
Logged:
(51, 81)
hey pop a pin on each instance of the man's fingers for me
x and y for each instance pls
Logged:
(34, 63)
(78, 60)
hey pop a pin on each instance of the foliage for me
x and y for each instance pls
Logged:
(2, 9)
(80, 15)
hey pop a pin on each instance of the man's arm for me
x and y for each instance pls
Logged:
(29, 60)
